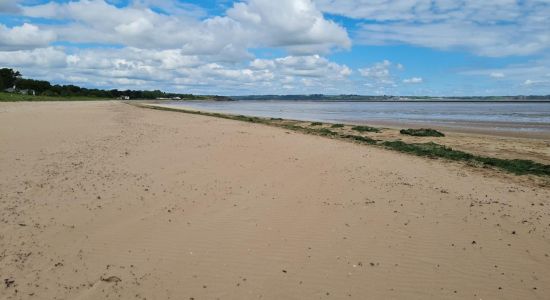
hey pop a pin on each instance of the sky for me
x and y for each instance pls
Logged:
(367, 47)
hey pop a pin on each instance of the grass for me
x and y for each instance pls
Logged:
(358, 138)
(317, 131)
(365, 129)
(11, 97)
(431, 150)
(325, 132)
(422, 132)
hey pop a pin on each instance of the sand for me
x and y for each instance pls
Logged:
(103, 200)
(529, 145)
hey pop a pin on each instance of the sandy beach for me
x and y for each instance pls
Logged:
(105, 200)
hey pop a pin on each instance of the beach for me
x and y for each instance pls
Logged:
(103, 200)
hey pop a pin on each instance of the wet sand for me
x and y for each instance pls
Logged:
(503, 129)
(103, 200)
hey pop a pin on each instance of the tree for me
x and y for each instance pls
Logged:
(8, 77)
(39, 86)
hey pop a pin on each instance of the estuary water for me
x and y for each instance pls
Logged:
(492, 116)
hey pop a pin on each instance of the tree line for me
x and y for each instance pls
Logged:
(10, 78)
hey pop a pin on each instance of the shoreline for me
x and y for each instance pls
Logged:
(484, 128)
(532, 130)
(509, 148)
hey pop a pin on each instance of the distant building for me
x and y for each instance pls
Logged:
(27, 92)
(11, 90)
(124, 97)
(22, 92)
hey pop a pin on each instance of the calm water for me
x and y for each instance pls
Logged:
(534, 117)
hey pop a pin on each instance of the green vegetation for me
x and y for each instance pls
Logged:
(316, 131)
(431, 150)
(13, 97)
(8, 78)
(316, 124)
(337, 125)
(45, 91)
(361, 139)
(422, 132)
(324, 131)
(365, 129)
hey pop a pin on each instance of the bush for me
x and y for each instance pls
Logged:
(358, 138)
(324, 131)
(365, 129)
(422, 132)
(337, 126)
(316, 124)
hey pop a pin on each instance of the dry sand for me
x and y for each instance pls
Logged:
(103, 200)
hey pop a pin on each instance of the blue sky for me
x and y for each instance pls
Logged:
(398, 47)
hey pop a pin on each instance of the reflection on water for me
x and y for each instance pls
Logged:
(512, 116)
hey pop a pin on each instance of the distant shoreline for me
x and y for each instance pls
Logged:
(515, 128)
(403, 101)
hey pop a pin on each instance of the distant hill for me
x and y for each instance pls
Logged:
(321, 97)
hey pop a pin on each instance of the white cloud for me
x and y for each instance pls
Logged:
(25, 36)
(381, 72)
(488, 28)
(532, 83)
(526, 74)
(413, 80)
(9, 6)
(296, 25)
(174, 70)
(37, 58)
(171, 45)
(426, 10)
(304, 66)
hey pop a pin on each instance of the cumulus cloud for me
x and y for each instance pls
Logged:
(25, 36)
(173, 45)
(381, 72)
(488, 28)
(172, 69)
(296, 25)
(313, 66)
(43, 57)
(413, 80)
